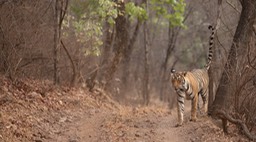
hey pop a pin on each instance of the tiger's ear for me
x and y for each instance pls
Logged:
(184, 73)
(173, 70)
(172, 74)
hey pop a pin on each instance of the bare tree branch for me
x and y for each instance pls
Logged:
(225, 115)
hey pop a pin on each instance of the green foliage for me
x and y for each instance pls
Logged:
(107, 9)
(86, 19)
(135, 11)
(172, 10)
(98, 9)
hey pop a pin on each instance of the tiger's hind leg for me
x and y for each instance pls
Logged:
(194, 104)
(198, 105)
(205, 95)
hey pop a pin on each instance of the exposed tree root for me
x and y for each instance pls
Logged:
(223, 115)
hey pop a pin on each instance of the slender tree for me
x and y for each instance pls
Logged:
(56, 43)
(60, 7)
(145, 88)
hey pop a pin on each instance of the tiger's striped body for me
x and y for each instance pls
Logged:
(191, 84)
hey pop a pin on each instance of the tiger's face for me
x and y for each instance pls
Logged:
(178, 81)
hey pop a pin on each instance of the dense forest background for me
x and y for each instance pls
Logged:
(127, 47)
(118, 44)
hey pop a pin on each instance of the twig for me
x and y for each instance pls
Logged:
(72, 62)
(47, 8)
(229, 3)
(17, 65)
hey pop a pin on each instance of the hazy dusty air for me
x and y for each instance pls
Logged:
(99, 71)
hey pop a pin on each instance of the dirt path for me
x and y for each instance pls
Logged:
(88, 128)
(65, 114)
(145, 124)
(148, 124)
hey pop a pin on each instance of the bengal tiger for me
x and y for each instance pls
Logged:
(191, 84)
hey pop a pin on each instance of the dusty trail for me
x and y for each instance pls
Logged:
(63, 114)
(88, 128)
(145, 124)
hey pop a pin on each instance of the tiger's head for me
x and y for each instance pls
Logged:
(178, 80)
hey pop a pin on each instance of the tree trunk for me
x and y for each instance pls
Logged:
(56, 43)
(101, 72)
(213, 75)
(128, 52)
(172, 37)
(145, 88)
(107, 45)
(244, 31)
(60, 8)
(120, 41)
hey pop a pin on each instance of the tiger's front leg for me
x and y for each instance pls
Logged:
(180, 108)
(194, 103)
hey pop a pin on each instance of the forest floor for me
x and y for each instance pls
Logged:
(36, 111)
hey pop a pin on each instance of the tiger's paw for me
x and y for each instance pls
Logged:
(178, 125)
(205, 110)
(193, 119)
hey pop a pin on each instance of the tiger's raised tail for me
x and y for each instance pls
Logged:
(210, 54)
